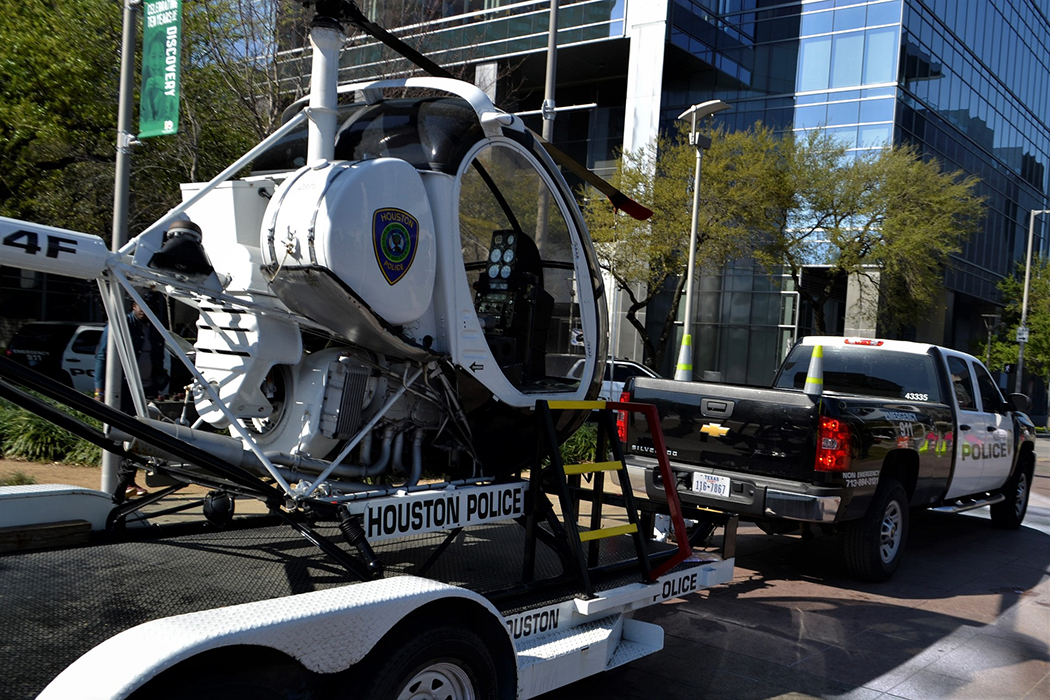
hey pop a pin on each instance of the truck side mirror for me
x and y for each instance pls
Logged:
(1019, 402)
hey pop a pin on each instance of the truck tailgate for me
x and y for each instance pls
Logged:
(737, 428)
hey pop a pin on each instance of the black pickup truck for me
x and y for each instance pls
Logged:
(896, 425)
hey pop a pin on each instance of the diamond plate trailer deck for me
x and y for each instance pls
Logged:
(60, 604)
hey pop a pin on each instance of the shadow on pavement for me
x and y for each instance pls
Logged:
(967, 615)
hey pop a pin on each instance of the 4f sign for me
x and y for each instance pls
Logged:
(1022, 334)
(161, 56)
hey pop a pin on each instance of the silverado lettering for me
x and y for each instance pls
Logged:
(652, 450)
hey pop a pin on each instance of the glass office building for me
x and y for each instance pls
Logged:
(965, 80)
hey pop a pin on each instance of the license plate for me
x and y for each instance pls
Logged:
(711, 485)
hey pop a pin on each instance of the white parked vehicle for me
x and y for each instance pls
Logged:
(58, 349)
(65, 351)
(616, 374)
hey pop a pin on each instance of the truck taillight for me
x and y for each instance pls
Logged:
(621, 418)
(833, 449)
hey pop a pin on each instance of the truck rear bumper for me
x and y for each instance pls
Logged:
(751, 496)
(802, 506)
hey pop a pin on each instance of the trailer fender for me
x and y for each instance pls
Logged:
(326, 631)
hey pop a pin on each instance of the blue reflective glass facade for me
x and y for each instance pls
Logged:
(848, 64)
(967, 81)
(975, 92)
(745, 53)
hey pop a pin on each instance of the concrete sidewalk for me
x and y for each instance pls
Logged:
(966, 616)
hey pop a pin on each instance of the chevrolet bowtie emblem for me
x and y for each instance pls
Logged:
(714, 430)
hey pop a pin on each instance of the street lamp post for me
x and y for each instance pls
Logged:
(684, 369)
(121, 188)
(1022, 331)
(991, 322)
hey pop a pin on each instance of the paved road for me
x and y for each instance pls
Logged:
(966, 616)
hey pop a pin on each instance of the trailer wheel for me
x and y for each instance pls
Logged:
(235, 672)
(874, 544)
(1010, 513)
(441, 663)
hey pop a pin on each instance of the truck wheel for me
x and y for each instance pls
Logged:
(874, 543)
(443, 663)
(1010, 513)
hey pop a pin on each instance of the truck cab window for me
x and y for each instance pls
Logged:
(518, 256)
(86, 342)
(869, 371)
(962, 383)
(991, 399)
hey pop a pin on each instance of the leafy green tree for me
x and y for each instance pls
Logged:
(743, 191)
(59, 82)
(1004, 343)
(890, 215)
(58, 97)
(789, 203)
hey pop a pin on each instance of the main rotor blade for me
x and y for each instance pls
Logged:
(349, 10)
(616, 197)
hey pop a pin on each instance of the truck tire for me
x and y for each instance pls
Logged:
(874, 544)
(1009, 514)
(447, 662)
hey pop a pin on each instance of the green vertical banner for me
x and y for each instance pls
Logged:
(161, 56)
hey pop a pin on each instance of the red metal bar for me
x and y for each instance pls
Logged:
(670, 485)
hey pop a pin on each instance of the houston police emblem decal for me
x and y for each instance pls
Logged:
(395, 234)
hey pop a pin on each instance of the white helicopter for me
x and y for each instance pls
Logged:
(389, 293)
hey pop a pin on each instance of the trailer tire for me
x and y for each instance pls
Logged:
(234, 672)
(448, 662)
(874, 544)
(1010, 513)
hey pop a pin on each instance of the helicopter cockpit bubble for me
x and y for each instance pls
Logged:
(501, 183)
(456, 186)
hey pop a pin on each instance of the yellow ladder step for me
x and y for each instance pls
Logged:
(592, 467)
(608, 532)
(577, 405)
